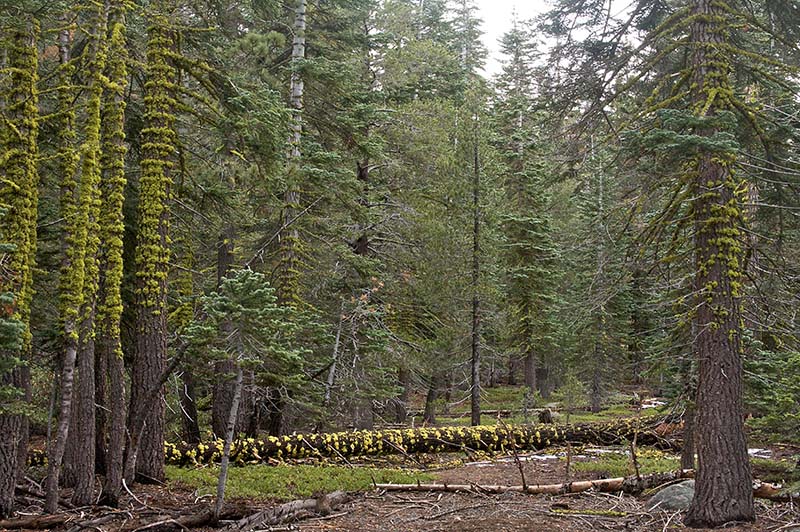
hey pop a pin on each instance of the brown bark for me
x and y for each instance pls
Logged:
(530, 370)
(429, 415)
(112, 485)
(188, 399)
(401, 402)
(82, 434)
(9, 434)
(103, 407)
(723, 491)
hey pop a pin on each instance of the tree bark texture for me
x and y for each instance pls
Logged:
(723, 490)
(19, 226)
(152, 254)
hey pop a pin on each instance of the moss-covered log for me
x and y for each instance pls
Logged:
(649, 431)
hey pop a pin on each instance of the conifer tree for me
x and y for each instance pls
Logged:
(146, 422)
(72, 266)
(529, 251)
(19, 195)
(109, 309)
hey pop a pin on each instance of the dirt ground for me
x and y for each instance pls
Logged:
(512, 512)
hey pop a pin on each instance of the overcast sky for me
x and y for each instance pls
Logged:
(497, 16)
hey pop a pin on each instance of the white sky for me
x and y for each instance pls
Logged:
(497, 16)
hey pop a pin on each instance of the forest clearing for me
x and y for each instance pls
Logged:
(399, 265)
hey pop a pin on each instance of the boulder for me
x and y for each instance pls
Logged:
(673, 498)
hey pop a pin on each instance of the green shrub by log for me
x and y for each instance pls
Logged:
(648, 431)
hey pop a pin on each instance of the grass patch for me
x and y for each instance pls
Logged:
(612, 413)
(619, 464)
(288, 482)
(780, 471)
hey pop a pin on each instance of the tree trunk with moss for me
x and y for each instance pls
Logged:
(723, 491)
(82, 438)
(72, 271)
(19, 195)
(146, 423)
(109, 343)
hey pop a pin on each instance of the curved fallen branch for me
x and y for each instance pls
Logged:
(648, 431)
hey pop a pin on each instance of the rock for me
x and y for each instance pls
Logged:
(673, 498)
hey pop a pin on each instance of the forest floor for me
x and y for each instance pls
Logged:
(475, 511)
(256, 487)
(376, 510)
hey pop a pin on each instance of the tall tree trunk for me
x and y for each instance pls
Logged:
(82, 439)
(152, 252)
(72, 268)
(288, 283)
(475, 363)
(19, 158)
(109, 343)
(723, 491)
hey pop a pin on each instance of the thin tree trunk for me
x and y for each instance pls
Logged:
(226, 449)
(687, 453)
(329, 382)
(530, 369)
(71, 279)
(429, 415)
(109, 343)
(112, 485)
(101, 412)
(82, 438)
(188, 399)
(475, 395)
(401, 403)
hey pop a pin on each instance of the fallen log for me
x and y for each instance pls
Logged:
(648, 431)
(290, 511)
(631, 485)
(36, 522)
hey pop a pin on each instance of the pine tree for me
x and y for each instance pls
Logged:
(146, 421)
(20, 196)
(529, 252)
(109, 308)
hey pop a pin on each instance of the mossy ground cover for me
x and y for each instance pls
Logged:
(287, 481)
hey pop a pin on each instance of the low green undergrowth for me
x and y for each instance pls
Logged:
(287, 482)
(620, 465)
(781, 471)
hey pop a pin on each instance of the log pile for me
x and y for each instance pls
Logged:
(648, 431)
